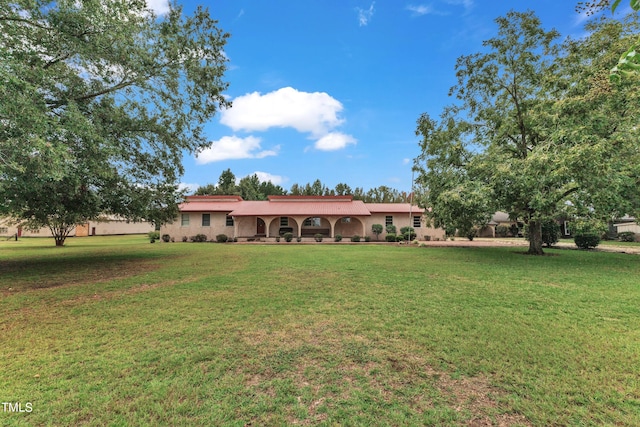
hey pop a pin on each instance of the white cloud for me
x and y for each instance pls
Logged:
(267, 177)
(467, 4)
(419, 10)
(365, 15)
(315, 113)
(189, 187)
(406, 161)
(334, 141)
(159, 7)
(233, 147)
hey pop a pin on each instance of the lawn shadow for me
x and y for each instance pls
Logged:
(48, 272)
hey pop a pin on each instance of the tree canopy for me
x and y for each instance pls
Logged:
(99, 100)
(538, 130)
(628, 65)
(251, 188)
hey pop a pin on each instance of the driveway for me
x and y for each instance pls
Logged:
(498, 242)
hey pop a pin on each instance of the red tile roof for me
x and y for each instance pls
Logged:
(302, 208)
(311, 206)
(210, 203)
(393, 208)
(307, 198)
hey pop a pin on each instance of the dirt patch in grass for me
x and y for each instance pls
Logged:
(333, 368)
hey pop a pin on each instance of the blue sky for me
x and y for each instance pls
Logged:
(332, 89)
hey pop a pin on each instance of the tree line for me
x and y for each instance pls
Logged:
(251, 188)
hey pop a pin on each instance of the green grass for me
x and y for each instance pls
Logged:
(117, 331)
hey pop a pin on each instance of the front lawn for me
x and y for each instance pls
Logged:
(117, 331)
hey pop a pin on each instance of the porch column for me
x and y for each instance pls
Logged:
(299, 220)
(235, 226)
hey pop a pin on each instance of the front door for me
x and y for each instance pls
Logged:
(261, 227)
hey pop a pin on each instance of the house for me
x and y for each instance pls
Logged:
(500, 219)
(627, 224)
(304, 216)
(104, 227)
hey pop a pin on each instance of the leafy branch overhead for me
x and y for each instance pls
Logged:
(99, 100)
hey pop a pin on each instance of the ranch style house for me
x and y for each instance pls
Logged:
(304, 216)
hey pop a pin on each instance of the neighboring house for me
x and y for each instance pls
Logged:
(104, 227)
(304, 216)
(627, 224)
(498, 219)
(113, 225)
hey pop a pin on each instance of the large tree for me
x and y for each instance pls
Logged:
(99, 100)
(536, 131)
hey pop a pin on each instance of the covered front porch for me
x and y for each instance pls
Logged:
(299, 226)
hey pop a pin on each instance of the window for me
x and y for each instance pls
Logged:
(311, 222)
(416, 222)
(566, 228)
(388, 220)
(184, 222)
(345, 220)
(284, 221)
(206, 220)
(229, 221)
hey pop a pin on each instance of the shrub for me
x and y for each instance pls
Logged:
(587, 240)
(514, 230)
(277, 238)
(587, 232)
(288, 236)
(367, 238)
(154, 235)
(400, 238)
(166, 238)
(408, 233)
(222, 238)
(627, 236)
(185, 238)
(471, 233)
(338, 237)
(390, 237)
(391, 229)
(377, 229)
(318, 237)
(199, 238)
(502, 231)
(550, 232)
(355, 238)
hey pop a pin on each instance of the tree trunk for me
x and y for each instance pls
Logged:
(535, 238)
(60, 232)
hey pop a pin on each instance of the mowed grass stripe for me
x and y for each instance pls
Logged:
(318, 334)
